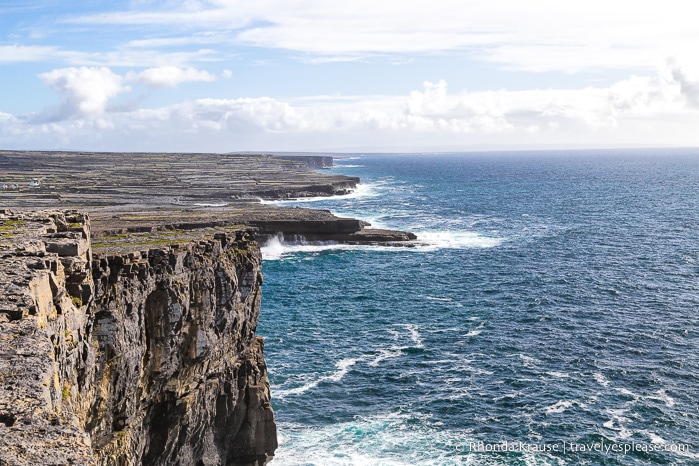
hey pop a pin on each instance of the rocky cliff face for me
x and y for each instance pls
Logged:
(313, 162)
(140, 357)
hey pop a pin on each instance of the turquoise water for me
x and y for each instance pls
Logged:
(550, 315)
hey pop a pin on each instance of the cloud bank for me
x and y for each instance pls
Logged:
(625, 90)
(537, 35)
(170, 76)
(84, 91)
(641, 109)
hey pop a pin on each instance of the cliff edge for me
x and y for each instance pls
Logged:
(142, 355)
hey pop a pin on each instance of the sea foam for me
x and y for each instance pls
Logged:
(449, 239)
(342, 367)
(360, 191)
(277, 248)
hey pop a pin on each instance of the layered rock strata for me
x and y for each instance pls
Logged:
(144, 191)
(97, 179)
(293, 224)
(314, 162)
(140, 355)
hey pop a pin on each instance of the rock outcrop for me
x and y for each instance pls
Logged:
(138, 356)
(136, 192)
(296, 225)
(91, 180)
(314, 162)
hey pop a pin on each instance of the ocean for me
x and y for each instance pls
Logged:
(549, 316)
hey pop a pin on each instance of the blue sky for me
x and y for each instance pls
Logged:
(366, 75)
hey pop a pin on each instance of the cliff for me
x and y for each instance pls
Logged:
(80, 180)
(136, 192)
(314, 162)
(145, 354)
(303, 225)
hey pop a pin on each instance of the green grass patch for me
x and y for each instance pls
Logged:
(15, 222)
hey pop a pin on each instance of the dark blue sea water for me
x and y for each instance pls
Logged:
(553, 305)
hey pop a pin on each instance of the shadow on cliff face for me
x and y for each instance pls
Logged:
(159, 365)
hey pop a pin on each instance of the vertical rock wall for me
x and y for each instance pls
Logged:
(146, 357)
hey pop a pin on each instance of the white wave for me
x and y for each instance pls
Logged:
(507, 396)
(281, 393)
(273, 249)
(654, 438)
(391, 439)
(444, 361)
(616, 423)
(285, 250)
(558, 407)
(459, 394)
(210, 204)
(333, 458)
(528, 360)
(361, 191)
(342, 368)
(558, 375)
(277, 249)
(444, 330)
(627, 392)
(475, 332)
(348, 165)
(414, 334)
(384, 354)
(438, 298)
(456, 240)
(664, 397)
(601, 379)
(660, 395)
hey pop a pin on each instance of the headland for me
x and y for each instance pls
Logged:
(130, 290)
(139, 192)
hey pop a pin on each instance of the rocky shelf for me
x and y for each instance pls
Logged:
(77, 179)
(138, 192)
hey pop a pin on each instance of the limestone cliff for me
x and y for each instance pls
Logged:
(147, 356)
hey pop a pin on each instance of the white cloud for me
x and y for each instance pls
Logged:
(652, 110)
(84, 91)
(132, 56)
(170, 76)
(203, 37)
(140, 58)
(24, 53)
(536, 35)
(688, 80)
(87, 91)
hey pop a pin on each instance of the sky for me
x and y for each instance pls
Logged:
(361, 75)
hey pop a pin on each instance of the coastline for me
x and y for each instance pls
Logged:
(138, 192)
(126, 286)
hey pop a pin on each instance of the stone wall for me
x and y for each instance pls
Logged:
(140, 357)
